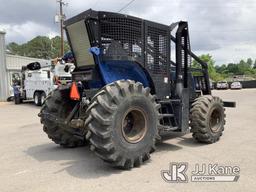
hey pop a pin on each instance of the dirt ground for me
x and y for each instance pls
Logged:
(30, 162)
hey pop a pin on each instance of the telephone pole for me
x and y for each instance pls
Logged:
(61, 19)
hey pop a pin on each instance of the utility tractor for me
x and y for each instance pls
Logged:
(126, 92)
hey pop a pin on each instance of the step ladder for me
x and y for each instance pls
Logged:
(167, 118)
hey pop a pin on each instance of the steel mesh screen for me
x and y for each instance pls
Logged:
(189, 60)
(157, 45)
(127, 32)
(123, 37)
(157, 50)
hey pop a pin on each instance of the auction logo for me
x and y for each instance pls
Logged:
(201, 173)
(176, 173)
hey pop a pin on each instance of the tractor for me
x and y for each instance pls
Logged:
(126, 92)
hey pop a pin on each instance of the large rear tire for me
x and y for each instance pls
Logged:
(122, 122)
(58, 104)
(207, 119)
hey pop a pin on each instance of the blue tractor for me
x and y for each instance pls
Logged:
(127, 93)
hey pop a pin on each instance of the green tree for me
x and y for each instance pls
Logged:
(254, 65)
(39, 47)
(13, 47)
(244, 68)
(222, 69)
(249, 62)
(211, 68)
(232, 68)
(55, 45)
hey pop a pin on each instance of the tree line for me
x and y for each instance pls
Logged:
(220, 72)
(39, 47)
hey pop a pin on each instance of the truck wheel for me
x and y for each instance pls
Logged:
(207, 119)
(59, 105)
(122, 122)
(42, 98)
(37, 98)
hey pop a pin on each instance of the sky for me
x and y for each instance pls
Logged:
(224, 29)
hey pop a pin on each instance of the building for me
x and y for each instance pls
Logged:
(10, 68)
(4, 90)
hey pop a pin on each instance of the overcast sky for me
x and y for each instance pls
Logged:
(226, 30)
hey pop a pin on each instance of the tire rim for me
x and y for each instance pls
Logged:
(36, 99)
(42, 99)
(134, 125)
(215, 120)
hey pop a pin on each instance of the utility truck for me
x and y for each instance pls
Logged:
(39, 79)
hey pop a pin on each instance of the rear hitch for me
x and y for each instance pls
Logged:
(229, 104)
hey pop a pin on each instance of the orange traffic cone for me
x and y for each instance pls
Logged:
(74, 93)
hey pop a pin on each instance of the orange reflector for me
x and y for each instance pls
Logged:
(74, 93)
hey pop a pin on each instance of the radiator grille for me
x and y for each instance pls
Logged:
(80, 43)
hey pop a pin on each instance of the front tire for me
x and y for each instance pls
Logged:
(42, 98)
(122, 121)
(58, 104)
(37, 99)
(207, 119)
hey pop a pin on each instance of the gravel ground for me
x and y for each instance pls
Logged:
(31, 162)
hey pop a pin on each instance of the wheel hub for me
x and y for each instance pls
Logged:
(215, 120)
(36, 99)
(134, 125)
(42, 99)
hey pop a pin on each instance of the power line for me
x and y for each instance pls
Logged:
(125, 6)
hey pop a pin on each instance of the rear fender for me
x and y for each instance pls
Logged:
(116, 70)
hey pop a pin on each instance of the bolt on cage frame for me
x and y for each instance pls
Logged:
(123, 37)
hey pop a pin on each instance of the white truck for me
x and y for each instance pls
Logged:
(38, 81)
